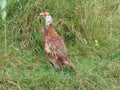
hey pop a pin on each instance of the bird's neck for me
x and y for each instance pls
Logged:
(50, 30)
(48, 21)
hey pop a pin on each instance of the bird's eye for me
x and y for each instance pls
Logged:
(45, 14)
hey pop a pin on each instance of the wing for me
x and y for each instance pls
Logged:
(57, 47)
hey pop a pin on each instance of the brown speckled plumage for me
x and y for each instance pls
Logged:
(55, 49)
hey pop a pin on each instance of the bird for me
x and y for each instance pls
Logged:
(54, 46)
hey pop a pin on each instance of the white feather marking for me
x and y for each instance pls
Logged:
(47, 47)
(49, 20)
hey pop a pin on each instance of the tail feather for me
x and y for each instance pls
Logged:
(69, 64)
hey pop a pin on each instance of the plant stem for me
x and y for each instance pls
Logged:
(5, 37)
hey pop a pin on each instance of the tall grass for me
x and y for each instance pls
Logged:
(3, 4)
(91, 31)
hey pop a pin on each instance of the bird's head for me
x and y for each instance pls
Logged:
(44, 14)
(47, 17)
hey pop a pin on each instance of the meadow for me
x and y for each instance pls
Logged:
(91, 30)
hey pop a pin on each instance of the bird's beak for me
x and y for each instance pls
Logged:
(41, 14)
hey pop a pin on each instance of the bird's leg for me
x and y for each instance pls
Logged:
(55, 65)
(52, 65)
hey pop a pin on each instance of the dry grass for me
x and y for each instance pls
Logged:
(92, 34)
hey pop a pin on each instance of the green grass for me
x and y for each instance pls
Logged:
(81, 24)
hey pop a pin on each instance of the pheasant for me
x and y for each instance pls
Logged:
(54, 46)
